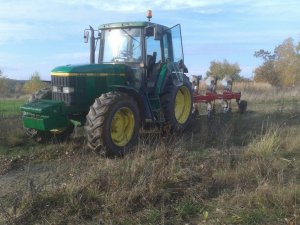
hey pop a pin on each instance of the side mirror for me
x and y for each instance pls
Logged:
(86, 36)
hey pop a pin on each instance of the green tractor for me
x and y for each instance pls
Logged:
(138, 79)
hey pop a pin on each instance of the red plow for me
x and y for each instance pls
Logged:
(211, 95)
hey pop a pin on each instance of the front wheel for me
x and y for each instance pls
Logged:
(113, 123)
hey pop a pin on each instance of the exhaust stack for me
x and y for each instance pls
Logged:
(92, 46)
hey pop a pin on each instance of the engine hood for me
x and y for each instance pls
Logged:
(91, 69)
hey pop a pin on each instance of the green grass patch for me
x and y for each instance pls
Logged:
(187, 209)
(11, 107)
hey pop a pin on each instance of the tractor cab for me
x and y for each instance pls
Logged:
(144, 47)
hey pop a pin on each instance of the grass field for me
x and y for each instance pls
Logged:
(11, 107)
(230, 169)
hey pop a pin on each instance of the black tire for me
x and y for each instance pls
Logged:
(104, 127)
(45, 136)
(177, 121)
(242, 106)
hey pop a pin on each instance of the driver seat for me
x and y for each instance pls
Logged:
(153, 70)
(151, 59)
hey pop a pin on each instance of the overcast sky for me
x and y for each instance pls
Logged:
(37, 35)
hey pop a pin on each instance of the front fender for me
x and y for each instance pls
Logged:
(139, 97)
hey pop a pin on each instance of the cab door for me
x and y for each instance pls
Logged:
(172, 44)
(173, 53)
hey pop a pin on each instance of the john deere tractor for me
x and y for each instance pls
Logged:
(138, 78)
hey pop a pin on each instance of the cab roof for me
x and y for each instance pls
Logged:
(129, 24)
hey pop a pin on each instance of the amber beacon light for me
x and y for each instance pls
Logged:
(149, 14)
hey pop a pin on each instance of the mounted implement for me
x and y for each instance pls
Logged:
(211, 95)
(138, 78)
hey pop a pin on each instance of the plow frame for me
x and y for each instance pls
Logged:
(211, 96)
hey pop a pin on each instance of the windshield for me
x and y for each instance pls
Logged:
(122, 45)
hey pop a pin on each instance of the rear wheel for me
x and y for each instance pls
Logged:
(177, 105)
(113, 123)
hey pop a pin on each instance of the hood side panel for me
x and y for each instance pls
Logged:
(88, 82)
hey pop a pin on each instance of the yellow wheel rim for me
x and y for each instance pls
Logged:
(122, 126)
(183, 103)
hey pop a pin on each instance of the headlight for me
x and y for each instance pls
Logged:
(54, 89)
(68, 90)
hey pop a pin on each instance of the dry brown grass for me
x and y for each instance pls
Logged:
(230, 169)
(12, 133)
(152, 183)
(263, 180)
(264, 92)
(259, 92)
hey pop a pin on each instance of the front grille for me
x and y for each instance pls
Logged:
(63, 81)
(60, 82)
(67, 98)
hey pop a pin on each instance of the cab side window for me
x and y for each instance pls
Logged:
(153, 46)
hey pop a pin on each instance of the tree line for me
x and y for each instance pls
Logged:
(10, 87)
(280, 67)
